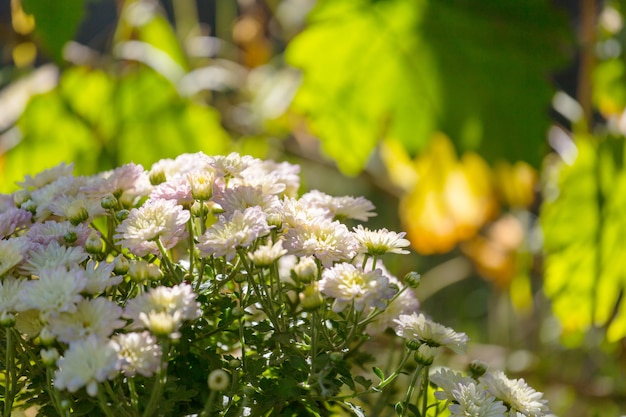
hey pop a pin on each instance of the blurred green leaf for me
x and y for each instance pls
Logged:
(56, 22)
(583, 228)
(99, 122)
(476, 70)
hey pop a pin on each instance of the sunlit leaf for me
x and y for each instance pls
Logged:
(56, 22)
(474, 70)
(584, 227)
(99, 122)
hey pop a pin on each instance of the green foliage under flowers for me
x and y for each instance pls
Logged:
(132, 299)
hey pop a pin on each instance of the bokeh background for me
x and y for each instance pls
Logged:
(491, 131)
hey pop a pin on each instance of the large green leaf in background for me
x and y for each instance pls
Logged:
(478, 70)
(98, 122)
(584, 224)
(56, 22)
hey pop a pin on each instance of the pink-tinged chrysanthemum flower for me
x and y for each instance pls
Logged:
(56, 290)
(348, 285)
(97, 316)
(329, 241)
(297, 212)
(417, 327)
(44, 233)
(340, 208)
(168, 168)
(163, 308)
(231, 233)
(242, 197)
(99, 276)
(43, 198)
(515, 394)
(380, 242)
(176, 188)
(13, 220)
(47, 176)
(156, 219)
(138, 353)
(281, 178)
(50, 256)
(12, 253)
(85, 364)
(78, 208)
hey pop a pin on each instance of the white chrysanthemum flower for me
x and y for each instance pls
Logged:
(267, 254)
(97, 316)
(231, 233)
(57, 289)
(77, 208)
(139, 353)
(296, 212)
(281, 178)
(348, 284)
(380, 242)
(232, 165)
(418, 327)
(202, 183)
(405, 303)
(10, 289)
(447, 380)
(44, 233)
(471, 400)
(12, 220)
(327, 240)
(156, 219)
(515, 394)
(341, 208)
(52, 255)
(47, 176)
(44, 198)
(12, 253)
(242, 197)
(85, 364)
(99, 276)
(163, 308)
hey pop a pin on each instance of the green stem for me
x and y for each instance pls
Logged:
(54, 395)
(134, 398)
(409, 392)
(209, 404)
(104, 406)
(425, 392)
(9, 374)
(166, 260)
(157, 389)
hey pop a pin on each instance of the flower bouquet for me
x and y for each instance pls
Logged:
(205, 286)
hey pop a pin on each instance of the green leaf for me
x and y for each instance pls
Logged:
(476, 70)
(379, 373)
(584, 227)
(99, 122)
(56, 22)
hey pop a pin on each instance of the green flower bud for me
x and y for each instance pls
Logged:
(94, 244)
(477, 368)
(7, 319)
(157, 178)
(412, 344)
(70, 237)
(122, 214)
(234, 363)
(311, 298)
(412, 279)
(109, 202)
(49, 356)
(77, 212)
(121, 265)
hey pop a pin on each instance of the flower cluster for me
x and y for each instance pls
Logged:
(144, 292)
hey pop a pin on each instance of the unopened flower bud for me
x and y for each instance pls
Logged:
(122, 214)
(412, 279)
(94, 244)
(412, 344)
(154, 272)
(49, 356)
(157, 177)
(70, 237)
(7, 319)
(20, 197)
(47, 337)
(234, 363)
(199, 208)
(477, 368)
(109, 202)
(306, 269)
(138, 270)
(238, 312)
(121, 265)
(311, 298)
(201, 184)
(425, 355)
(77, 212)
(336, 356)
(29, 206)
(218, 380)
